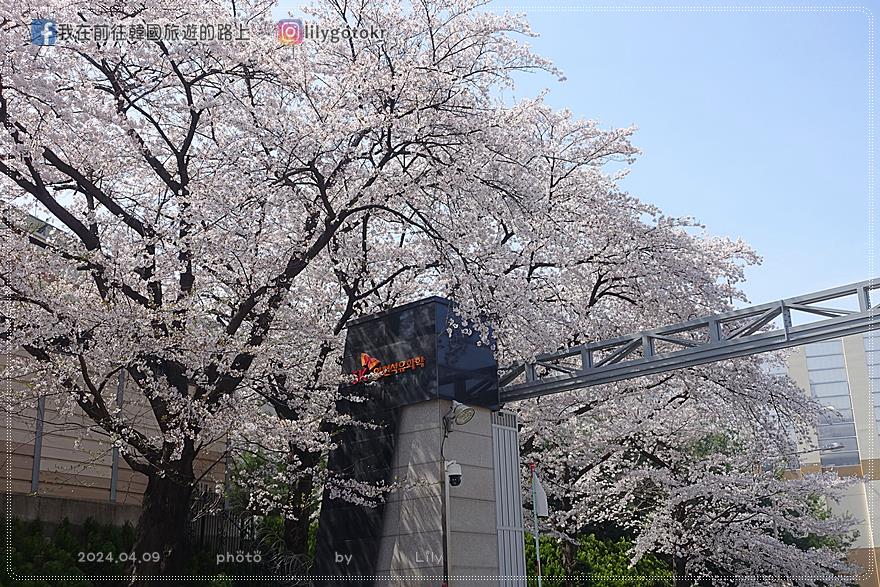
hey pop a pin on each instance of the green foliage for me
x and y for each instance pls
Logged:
(35, 551)
(597, 561)
(821, 511)
(270, 535)
(39, 549)
(270, 531)
(248, 466)
(714, 443)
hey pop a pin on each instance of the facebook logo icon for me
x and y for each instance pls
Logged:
(43, 31)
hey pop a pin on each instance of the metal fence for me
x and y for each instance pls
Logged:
(218, 530)
(214, 528)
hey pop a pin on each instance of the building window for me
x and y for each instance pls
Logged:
(828, 347)
(826, 367)
(840, 459)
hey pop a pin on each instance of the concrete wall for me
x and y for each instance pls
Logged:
(54, 510)
(862, 400)
(412, 547)
(473, 522)
(412, 534)
(797, 370)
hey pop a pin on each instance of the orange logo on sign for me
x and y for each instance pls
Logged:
(373, 366)
(369, 362)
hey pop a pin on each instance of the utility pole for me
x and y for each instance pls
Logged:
(535, 514)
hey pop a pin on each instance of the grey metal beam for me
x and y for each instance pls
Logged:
(704, 340)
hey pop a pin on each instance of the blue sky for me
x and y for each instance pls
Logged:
(754, 123)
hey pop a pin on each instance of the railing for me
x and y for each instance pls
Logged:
(704, 340)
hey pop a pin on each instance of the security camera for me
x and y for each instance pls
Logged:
(453, 471)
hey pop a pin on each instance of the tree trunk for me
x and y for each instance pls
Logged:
(160, 544)
(569, 562)
(299, 501)
(679, 566)
(296, 529)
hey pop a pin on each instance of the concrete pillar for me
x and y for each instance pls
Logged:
(413, 530)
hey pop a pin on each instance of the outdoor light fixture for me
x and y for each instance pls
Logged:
(459, 413)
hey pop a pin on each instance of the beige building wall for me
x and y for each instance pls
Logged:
(818, 371)
(75, 457)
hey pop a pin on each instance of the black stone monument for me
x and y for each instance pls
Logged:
(396, 358)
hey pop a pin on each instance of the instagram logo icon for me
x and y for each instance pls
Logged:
(290, 32)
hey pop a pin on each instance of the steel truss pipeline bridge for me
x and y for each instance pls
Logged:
(813, 317)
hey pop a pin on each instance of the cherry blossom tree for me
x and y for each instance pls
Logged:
(692, 467)
(224, 207)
